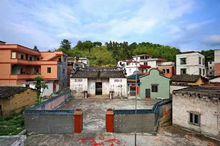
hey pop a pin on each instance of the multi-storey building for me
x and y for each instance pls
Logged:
(21, 65)
(210, 69)
(192, 63)
(217, 63)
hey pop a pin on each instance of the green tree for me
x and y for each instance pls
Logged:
(65, 44)
(40, 85)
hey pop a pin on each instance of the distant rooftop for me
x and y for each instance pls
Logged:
(189, 52)
(186, 78)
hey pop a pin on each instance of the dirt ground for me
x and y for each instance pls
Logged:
(94, 110)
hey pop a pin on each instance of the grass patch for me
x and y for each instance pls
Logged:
(12, 125)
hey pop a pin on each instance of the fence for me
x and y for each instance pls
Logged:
(141, 120)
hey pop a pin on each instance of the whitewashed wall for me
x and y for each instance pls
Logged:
(119, 86)
(210, 123)
(79, 84)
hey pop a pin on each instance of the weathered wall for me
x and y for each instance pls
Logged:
(119, 86)
(49, 122)
(19, 102)
(147, 120)
(45, 118)
(129, 122)
(210, 123)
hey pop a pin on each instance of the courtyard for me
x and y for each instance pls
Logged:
(94, 110)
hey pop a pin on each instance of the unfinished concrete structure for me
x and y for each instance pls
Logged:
(198, 108)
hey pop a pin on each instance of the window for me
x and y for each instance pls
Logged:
(182, 61)
(164, 71)
(22, 56)
(183, 71)
(200, 71)
(49, 70)
(13, 55)
(203, 71)
(200, 60)
(194, 118)
(154, 88)
(168, 71)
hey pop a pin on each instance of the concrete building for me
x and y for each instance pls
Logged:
(198, 108)
(154, 85)
(192, 63)
(168, 69)
(15, 99)
(217, 62)
(95, 82)
(129, 66)
(210, 69)
(215, 80)
(21, 65)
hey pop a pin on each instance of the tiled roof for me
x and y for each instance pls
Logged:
(7, 92)
(98, 74)
(209, 91)
(185, 78)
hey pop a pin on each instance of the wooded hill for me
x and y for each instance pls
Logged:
(109, 53)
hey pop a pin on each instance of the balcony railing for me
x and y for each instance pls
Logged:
(24, 76)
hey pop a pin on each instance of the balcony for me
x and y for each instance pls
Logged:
(23, 77)
(27, 62)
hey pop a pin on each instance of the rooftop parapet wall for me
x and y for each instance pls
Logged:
(143, 120)
(46, 118)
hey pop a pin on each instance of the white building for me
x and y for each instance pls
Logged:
(198, 108)
(95, 82)
(210, 69)
(217, 63)
(130, 66)
(192, 63)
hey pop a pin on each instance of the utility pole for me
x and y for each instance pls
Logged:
(136, 84)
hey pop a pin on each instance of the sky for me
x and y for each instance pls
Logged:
(185, 24)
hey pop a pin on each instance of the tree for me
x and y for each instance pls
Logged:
(65, 44)
(40, 85)
(35, 48)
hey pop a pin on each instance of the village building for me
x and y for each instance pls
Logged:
(168, 69)
(21, 65)
(99, 82)
(192, 63)
(210, 69)
(184, 81)
(129, 66)
(217, 63)
(133, 85)
(198, 108)
(154, 85)
(15, 99)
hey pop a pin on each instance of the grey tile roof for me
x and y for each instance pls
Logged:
(208, 90)
(96, 73)
(185, 78)
(7, 92)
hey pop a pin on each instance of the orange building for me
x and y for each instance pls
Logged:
(20, 65)
(168, 69)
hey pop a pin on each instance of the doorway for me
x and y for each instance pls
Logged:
(147, 93)
(98, 88)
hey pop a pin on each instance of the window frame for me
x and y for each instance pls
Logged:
(183, 63)
(49, 70)
(192, 118)
(153, 89)
(182, 72)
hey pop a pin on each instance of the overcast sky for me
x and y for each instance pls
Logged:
(186, 24)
